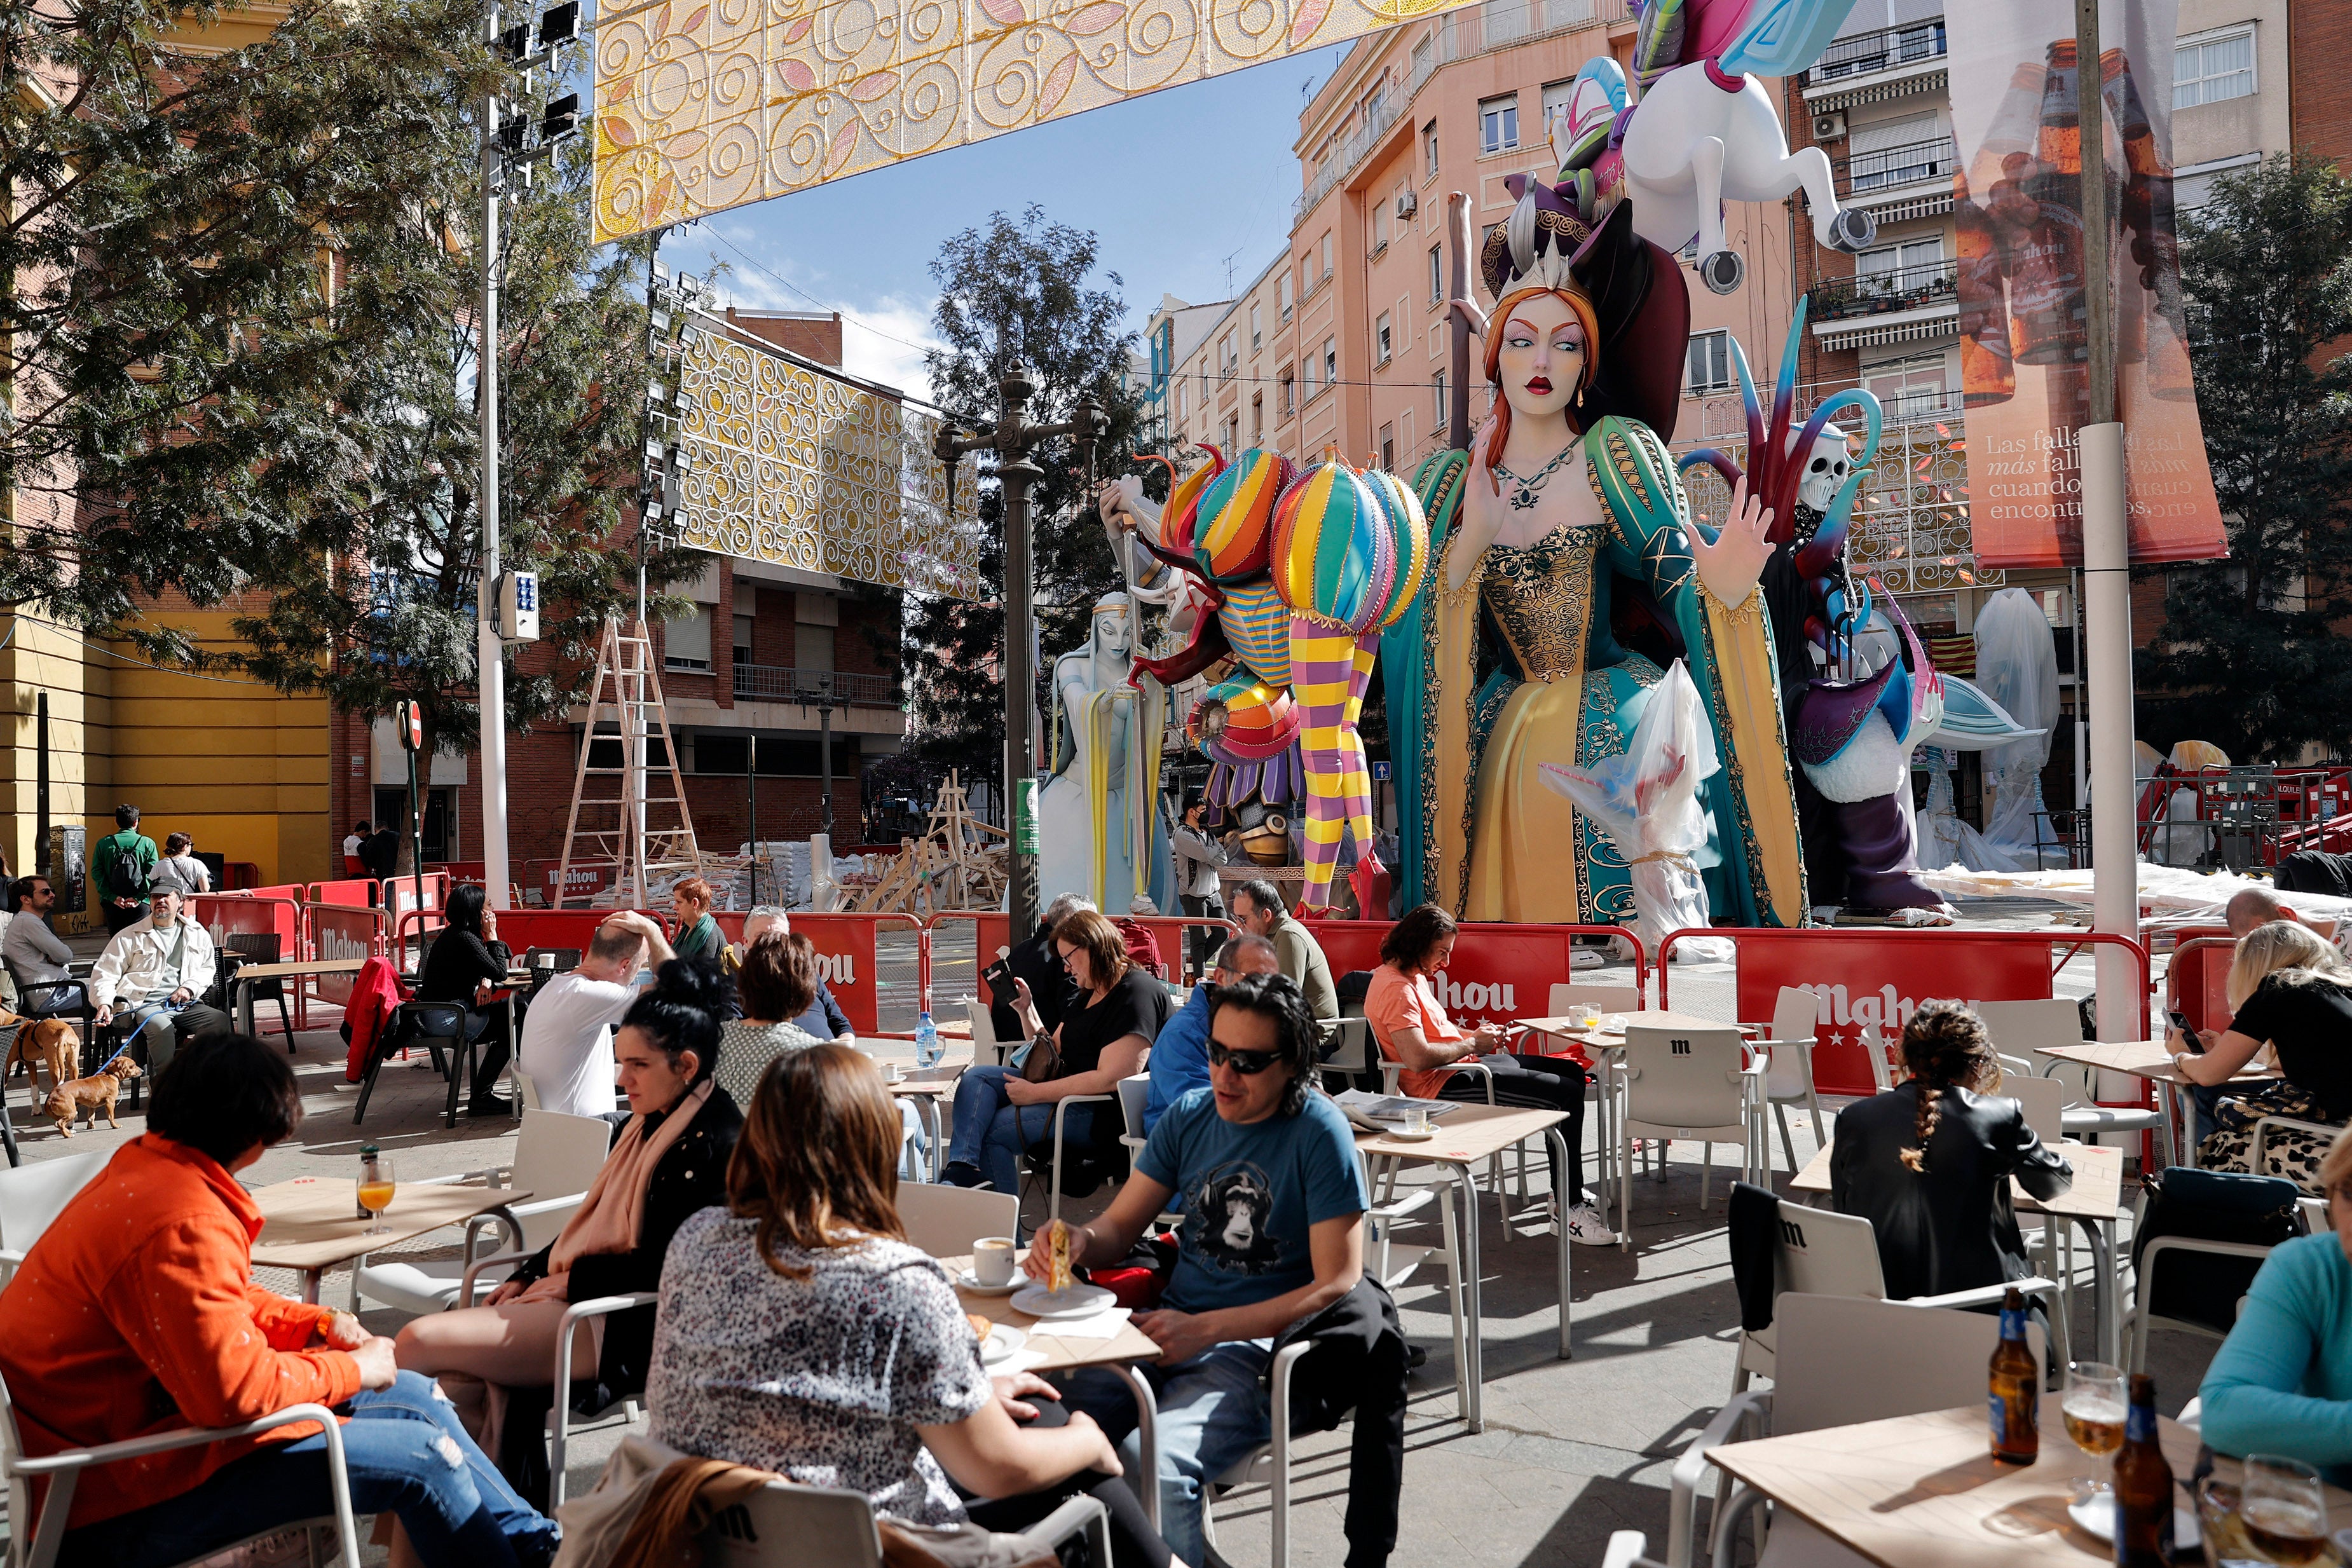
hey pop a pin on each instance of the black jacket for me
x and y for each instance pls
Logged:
(1952, 1228)
(1358, 1363)
(458, 961)
(1037, 962)
(692, 1176)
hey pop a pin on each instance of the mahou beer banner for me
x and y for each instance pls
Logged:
(703, 105)
(2024, 350)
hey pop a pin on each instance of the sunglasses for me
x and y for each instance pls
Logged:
(1248, 1063)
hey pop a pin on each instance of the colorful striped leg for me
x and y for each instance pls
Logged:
(1359, 772)
(1328, 672)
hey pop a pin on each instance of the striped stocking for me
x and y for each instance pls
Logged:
(1329, 669)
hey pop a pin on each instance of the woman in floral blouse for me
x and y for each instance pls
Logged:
(800, 1333)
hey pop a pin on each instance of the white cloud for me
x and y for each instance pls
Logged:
(882, 338)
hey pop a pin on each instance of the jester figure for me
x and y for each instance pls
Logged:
(1297, 574)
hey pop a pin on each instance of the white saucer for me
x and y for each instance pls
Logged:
(2096, 1515)
(1401, 1137)
(1003, 1341)
(968, 1280)
(1078, 1301)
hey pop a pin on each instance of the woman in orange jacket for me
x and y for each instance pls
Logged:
(135, 1314)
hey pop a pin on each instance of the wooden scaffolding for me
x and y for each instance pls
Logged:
(650, 835)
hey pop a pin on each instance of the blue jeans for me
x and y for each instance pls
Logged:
(1214, 1410)
(990, 1131)
(406, 1455)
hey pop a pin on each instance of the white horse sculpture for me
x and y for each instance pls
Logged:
(1705, 130)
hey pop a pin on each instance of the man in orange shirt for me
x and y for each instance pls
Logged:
(135, 1314)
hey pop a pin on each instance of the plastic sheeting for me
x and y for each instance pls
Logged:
(2171, 894)
(2017, 666)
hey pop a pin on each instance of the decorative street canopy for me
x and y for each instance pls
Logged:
(702, 105)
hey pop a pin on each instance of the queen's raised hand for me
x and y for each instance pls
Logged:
(1730, 566)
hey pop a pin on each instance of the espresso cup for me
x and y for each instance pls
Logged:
(992, 1261)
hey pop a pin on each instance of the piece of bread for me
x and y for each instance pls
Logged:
(979, 1325)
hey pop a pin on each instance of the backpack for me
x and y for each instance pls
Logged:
(120, 867)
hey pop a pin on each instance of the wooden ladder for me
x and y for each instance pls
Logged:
(651, 835)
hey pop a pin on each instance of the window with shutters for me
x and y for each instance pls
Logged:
(1709, 365)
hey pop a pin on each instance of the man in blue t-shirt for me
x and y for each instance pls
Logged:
(1180, 1054)
(1263, 1168)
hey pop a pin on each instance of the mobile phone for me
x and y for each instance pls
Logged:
(2180, 1021)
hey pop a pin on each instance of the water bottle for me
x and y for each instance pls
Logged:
(927, 1050)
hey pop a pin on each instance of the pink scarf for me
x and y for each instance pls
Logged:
(614, 1212)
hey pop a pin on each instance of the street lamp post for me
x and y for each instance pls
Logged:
(1012, 440)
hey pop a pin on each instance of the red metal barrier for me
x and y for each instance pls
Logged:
(342, 931)
(351, 893)
(255, 914)
(1498, 974)
(1873, 976)
(2197, 978)
(586, 880)
(849, 956)
(991, 929)
(398, 893)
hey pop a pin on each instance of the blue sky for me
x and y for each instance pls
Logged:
(1174, 184)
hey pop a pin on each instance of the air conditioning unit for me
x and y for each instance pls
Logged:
(1406, 206)
(1829, 127)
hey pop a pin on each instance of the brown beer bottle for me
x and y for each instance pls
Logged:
(2016, 1394)
(2143, 1486)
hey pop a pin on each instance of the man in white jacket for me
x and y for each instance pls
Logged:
(148, 980)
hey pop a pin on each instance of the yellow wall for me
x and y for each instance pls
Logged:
(230, 762)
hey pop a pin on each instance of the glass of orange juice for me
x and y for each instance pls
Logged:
(375, 1186)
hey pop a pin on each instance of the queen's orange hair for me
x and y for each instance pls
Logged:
(1578, 303)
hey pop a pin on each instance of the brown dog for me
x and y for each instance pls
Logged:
(41, 1042)
(94, 1093)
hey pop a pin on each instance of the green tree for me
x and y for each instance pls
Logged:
(241, 335)
(1019, 292)
(2251, 652)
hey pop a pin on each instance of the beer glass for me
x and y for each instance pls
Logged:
(2095, 1408)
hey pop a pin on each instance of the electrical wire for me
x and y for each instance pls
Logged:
(822, 305)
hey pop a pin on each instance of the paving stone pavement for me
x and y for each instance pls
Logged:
(1571, 1450)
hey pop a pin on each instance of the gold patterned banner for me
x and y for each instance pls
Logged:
(702, 105)
(785, 463)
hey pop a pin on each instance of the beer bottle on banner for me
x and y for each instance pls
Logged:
(2143, 1486)
(2048, 270)
(2016, 1388)
(1987, 374)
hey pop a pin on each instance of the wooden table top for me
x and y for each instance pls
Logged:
(1130, 1343)
(1921, 1492)
(1652, 1018)
(2141, 1059)
(299, 966)
(930, 1083)
(313, 1222)
(1466, 1133)
(2096, 1194)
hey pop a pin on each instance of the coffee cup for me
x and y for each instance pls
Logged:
(992, 1261)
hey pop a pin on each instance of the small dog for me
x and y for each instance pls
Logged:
(41, 1042)
(94, 1093)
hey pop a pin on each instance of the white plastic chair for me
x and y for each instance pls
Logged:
(1052, 1171)
(1688, 1083)
(944, 1221)
(556, 1157)
(1873, 1046)
(784, 1525)
(1844, 1359)
(1566, 998)
(2021, 1028)
(31, 1195)
(986, 1049)
(1134, 1094)
(34, 1540)
(2255, 1155)
(1820, 1252)
(1788, 1078)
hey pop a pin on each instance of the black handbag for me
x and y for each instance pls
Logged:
(2210, 1206)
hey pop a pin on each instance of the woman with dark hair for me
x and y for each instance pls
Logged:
(1410, 1025)
(464, 965)
(1928, 1163)
(667, 1162)
(823, 1017)
(800, 1333)
(136, 1315)
(1106, 1035)
(775, 985)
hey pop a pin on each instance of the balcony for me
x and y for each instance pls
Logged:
(1883, 49)
(1885, 293)
(771, 683)
(1874, 175)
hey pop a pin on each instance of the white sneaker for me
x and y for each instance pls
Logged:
(1585, 1226)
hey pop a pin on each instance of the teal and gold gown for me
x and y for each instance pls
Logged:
(1483, 835)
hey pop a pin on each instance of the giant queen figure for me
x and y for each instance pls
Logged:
(1570, 575)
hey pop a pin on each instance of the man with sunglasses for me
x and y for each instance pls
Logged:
(1263, 1168)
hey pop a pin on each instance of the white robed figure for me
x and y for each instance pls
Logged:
(1100, 833)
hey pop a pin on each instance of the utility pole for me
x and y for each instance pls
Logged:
(2107, 572)
(1012, 440)
(503, 144)
(490, 657)
(824, 706)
